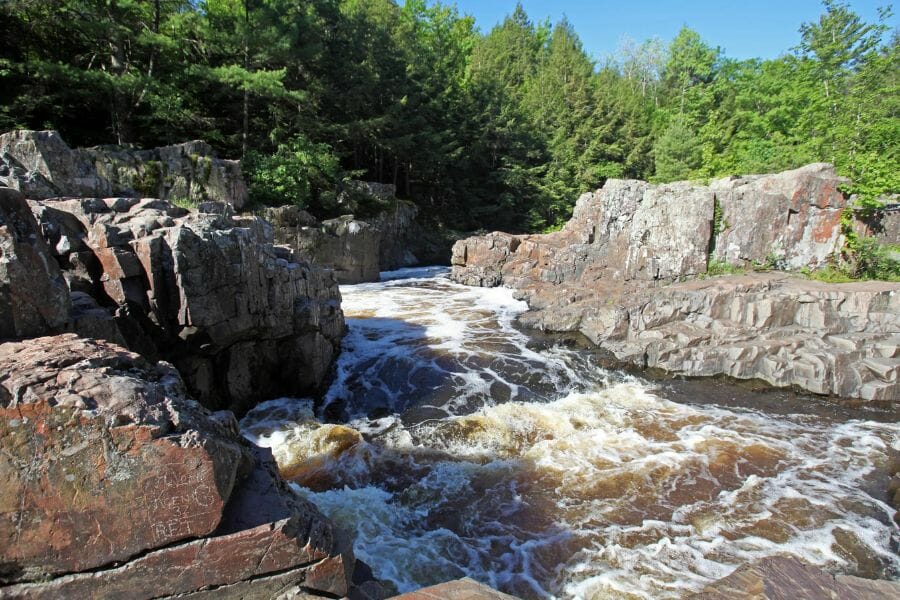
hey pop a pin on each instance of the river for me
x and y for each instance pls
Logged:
(453, 444)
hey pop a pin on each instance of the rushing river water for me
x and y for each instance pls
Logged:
(467, 448)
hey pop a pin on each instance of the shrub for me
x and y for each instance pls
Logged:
(871, 260)
(720, 267)
(300, 172)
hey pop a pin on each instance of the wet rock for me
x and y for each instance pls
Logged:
(787, 578)
(241, 320)
(460, 589)
(41, 165)
(119, 485)
(34, 298)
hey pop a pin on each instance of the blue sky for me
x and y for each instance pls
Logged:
(743, 29)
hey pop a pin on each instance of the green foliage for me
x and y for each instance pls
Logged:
(721, 267)
(677, 152)
(185, 203)
(299, 172)
(872, 260)
(829, 274)
(497, 130)
(719, 223)
(149, 181)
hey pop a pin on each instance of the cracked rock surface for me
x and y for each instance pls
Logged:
(117, 484)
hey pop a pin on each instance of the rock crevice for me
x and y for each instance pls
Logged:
(242, 319)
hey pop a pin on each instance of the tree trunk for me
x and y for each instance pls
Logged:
(245, 126)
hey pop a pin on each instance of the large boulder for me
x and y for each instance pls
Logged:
(117, 484)
(241, 319)
(628, 230)
(34, 299)
(358, 250)
(792, 218)
(347, 246)
(41, 165)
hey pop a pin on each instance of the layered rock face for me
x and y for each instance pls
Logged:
(34, 298)
(832, 339)
(346, 246)
(41, 165)
(241, 319)
(116, 484)
(356, 250)
(610, 272)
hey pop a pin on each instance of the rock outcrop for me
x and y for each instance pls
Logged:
(793, 217)
(358, 250)
(788, 578)
(241, 319)
(831, 339)
(459, 589)
(611, 273)
(346, 246)
(41, 165)
(117, 484)
(34, 299)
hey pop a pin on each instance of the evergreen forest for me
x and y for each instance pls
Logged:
(499, 129)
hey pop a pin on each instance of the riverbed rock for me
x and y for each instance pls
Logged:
(788, 578)
(41, 165)
(613, 274)
(241, 319)
(459, 589)
(34, 298)
(117, 484)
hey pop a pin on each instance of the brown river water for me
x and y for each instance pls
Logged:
(453, 444)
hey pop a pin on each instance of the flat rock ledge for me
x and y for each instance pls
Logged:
(117, 484)
(616, 273)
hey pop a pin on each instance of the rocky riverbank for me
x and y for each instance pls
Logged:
(116, 316)
(129, 323)
(118, 484)
(625, 272)
(357, 250)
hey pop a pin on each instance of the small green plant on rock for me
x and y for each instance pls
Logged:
(148, 180)
(720, 267)
(185, 203)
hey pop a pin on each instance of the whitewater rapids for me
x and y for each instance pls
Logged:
(458, 446)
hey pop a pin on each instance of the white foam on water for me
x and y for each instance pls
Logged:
(417, 339)
(596, 487)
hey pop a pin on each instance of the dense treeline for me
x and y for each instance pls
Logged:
(499, 130)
